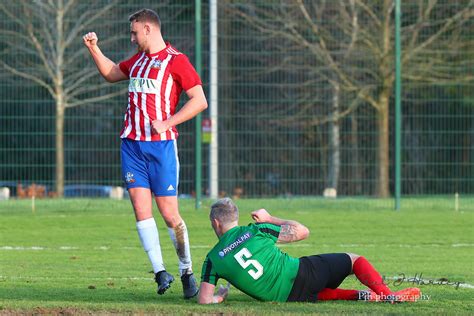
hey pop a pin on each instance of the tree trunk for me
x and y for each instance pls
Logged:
(383, 145)
(60, 146)
(335, 141)
(60, 99)
(383, 107)
(356, 188)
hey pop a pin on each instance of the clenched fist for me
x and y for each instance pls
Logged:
(261, 216)
(90, 39)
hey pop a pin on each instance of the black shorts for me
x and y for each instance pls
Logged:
(318, 272)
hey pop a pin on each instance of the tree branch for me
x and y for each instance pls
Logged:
(15, 35)
(371, 13)
(94, 99)
(422, 17)
(71, 58)
(81, 24)
(355, 29)
(15, 18)
(308, 121)
(37, 45)
(29, 77)
(88, 88)
(462, 15)
(72, 82)
(68, 6)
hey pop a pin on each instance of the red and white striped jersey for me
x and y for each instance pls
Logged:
(156, 82)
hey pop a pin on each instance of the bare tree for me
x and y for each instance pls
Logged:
(350, 44)
(48, 35)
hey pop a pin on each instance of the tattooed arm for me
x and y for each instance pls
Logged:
(290, 230)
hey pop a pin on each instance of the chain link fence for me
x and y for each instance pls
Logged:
(305, 96)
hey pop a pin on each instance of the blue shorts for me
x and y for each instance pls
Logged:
(152, 165)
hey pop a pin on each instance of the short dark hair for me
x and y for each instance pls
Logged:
(225, 211)
(145, 15)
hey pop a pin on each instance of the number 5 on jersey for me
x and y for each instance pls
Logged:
(241, 257)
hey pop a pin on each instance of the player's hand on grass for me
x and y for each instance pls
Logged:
(261, 216)
(90, 39)
(223, 291)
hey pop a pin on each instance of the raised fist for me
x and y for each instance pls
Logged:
(261, 216)
(90, 39)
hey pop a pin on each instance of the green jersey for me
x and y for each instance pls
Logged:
(248, 258)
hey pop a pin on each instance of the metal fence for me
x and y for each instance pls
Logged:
(305, 96)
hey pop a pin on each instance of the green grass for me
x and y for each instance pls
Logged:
(84, 256)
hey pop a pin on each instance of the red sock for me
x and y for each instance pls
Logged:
(328, 294)
(367, 274)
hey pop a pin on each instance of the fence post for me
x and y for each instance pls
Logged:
(398, 110)
(198, 159)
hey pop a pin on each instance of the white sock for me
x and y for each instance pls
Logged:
(179, 236)
(150, 239)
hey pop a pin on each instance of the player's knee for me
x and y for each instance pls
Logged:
(172, 220)
(142, 214)
(353, 257)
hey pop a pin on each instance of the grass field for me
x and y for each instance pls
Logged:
(83, 256)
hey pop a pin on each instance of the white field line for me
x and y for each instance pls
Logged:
(295, 245)
(103, 248)
(412, 281)
(301, 245)
(61, 278)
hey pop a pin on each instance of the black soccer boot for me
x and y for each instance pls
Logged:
(164, 280)
(190, 288)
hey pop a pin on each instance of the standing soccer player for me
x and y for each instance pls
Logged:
(157, 75)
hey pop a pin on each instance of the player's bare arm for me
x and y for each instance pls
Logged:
(206, 294)
(197, 103)
(107, 68)
(290, 231)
